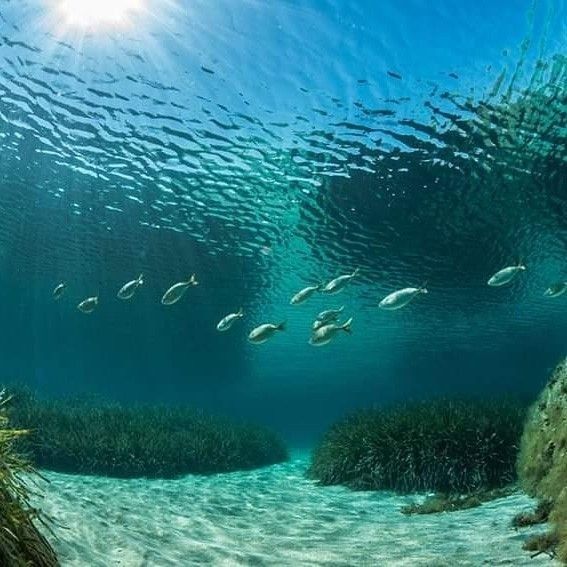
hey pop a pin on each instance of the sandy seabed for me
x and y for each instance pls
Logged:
(271, 516)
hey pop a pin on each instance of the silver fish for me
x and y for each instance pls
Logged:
(506, 275)
(325, 334)
(304, 294)
(59, 291)
(264, 332)
(128, 290)
(330, 315)
(401, 298)
(226, 322)
(318, 324)
(556, 290)
(338, 284)
(88, 305)
(177, 291)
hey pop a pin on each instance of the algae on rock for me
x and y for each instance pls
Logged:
(542, 462)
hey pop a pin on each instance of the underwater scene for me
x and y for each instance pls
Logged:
(284, 283)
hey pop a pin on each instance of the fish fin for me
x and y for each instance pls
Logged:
(282, 326)
(347, 326)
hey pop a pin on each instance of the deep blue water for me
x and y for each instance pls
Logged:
(267, 146)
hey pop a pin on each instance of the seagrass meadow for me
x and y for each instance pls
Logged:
(283, 283)
(451, 446)
(89, 437)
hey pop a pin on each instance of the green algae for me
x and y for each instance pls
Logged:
(455, 502)
(542, 462)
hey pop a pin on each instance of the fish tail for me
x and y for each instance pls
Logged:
(141, 279)
(282, 326)
(423, 287)
(341, 309)
(356, 271)
(347, 326)
(240, 312)
(193, 280)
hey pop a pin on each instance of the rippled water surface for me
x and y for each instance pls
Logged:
(271, 145)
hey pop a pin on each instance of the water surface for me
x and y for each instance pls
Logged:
(269, 146)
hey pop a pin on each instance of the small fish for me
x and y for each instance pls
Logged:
(325, 334)
(264, 332)
(401, 298)
(226, 322)
(506, 275)
(394, 75)
(177, 291)
(128, 290)
(330, 315)
(338, 284)
(556, 290)
(318, 324)
(88, 305)
(59, 291)
(304, 294)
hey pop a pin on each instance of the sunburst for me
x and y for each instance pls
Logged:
(92, 13)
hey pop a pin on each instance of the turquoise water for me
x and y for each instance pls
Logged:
(266, 147)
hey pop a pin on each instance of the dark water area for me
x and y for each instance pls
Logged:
(267, 147)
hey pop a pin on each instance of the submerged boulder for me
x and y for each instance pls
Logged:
(542, 462)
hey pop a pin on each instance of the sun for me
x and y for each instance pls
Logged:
(89, 13)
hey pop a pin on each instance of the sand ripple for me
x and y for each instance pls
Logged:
(273, 516)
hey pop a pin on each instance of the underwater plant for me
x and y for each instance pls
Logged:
(449, 446)
(79, 436)
(454, 502)
(542, 461)
(539, 516)
(21, 543)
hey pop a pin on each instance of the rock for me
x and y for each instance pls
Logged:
(542, 462)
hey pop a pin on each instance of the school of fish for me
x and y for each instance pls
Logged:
(326, 326)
